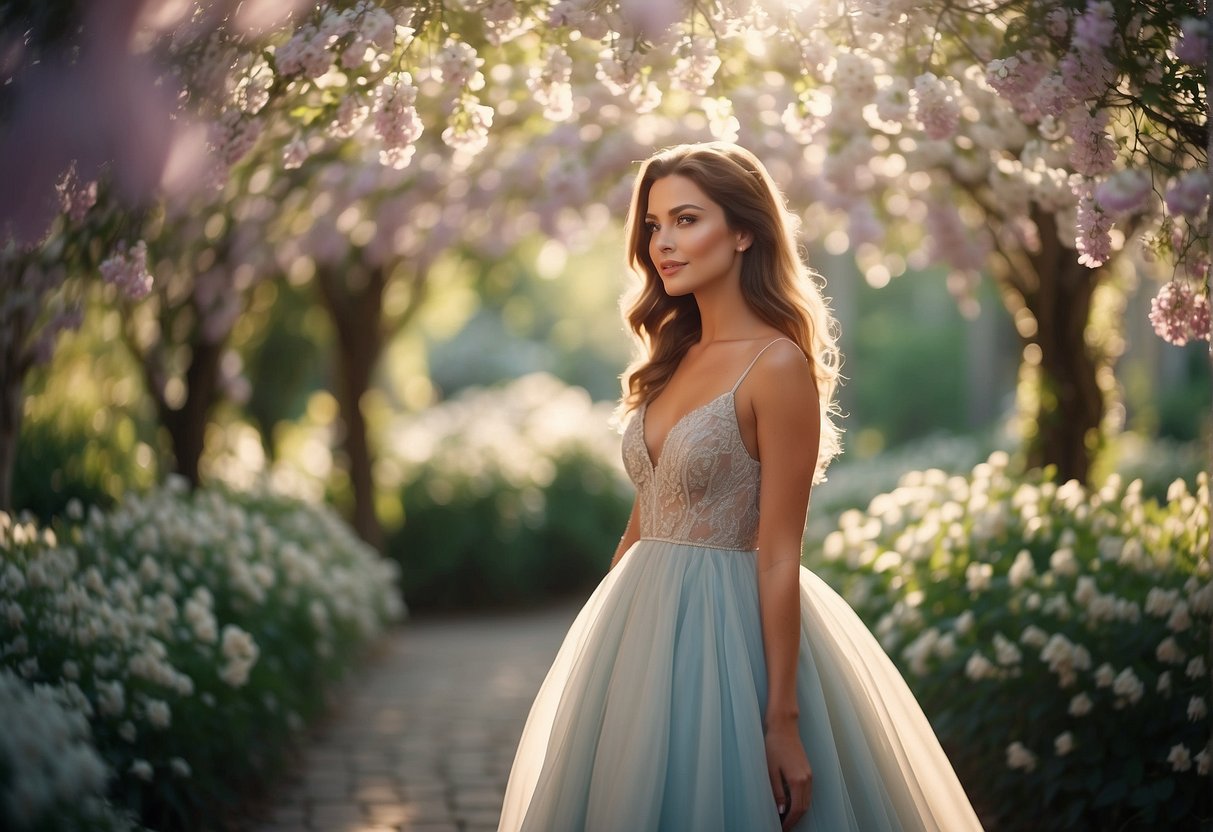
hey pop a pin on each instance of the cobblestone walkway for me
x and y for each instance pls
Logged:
(425, 731)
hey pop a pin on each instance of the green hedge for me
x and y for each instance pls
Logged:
(510, 494)
(1057, 637)
(195, 632)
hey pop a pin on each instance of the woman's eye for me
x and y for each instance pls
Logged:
(686, 219)
(651, 227)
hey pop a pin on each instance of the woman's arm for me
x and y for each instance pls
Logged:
(631, 533)
(788, 416)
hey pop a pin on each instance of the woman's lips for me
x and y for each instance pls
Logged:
(670, 267)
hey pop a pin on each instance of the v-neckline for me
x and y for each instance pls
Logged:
(644, 412)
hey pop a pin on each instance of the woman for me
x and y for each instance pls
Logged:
(711, 682)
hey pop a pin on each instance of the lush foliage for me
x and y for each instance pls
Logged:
(194, 632)
(1030, 618)
(51, 777)
(510, 494)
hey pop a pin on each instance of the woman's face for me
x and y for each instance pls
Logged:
(690, 243)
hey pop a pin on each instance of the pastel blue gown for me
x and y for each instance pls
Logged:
(651, 715)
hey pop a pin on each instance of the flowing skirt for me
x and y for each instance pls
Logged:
(651, 715)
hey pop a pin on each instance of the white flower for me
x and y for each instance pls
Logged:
(180, 767)
(1196, 668)
(1063, 561)
(1105, 674)
(964, 623)
(1169, 651)
(1164, 682)
(142, 769)
(111, 698)
(1005, 650)
(1085, 590)
(978, 667)
(1018, 756)
(1022, 569)
(1128, 685)
(1179, 758)
(1179, 619)
(977, 576)
(1080, 705)
(1202, 762)
(1033, 636)
(1063, 744)
(159, 714)
(1197, 709)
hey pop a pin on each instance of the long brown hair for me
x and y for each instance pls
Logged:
(776, 283)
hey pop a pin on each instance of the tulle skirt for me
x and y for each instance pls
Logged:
(651, 715)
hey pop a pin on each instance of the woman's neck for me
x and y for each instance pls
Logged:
(725, 316)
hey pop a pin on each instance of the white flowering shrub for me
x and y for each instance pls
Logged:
(51, 777)
(1056, 636)
(195, 632)
(510, 494)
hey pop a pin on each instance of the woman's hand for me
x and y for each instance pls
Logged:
(787, 763)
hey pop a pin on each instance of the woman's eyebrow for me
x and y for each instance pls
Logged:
(676, 209)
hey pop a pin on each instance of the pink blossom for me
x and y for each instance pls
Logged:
(1188, 194)
(1179, 315)
(854, 77)
(127, 269)
(1193, 44)
(1093, 152)
(549, 84)
(893, 101)
(1125, 192)
(1057, 23)
(937, 105)
(1095, 28)
(1093, 238)
(459, 66)
(1015, 78)
(396, 121)
(952, 240)
(1051, 97)
(74, 198)
(695, 70)
(468, 126)
(294, 154)
(351, 113)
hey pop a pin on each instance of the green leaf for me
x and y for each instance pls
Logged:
(1112, 792)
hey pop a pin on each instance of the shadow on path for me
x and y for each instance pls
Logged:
(424, 733)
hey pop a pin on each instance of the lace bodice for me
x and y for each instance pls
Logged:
(704, 487)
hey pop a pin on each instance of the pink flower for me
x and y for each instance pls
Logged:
(937, 105)
(1094, 28)
(1093, 239)
(1193, 44)
(396, 120)
(1188, 194)
(1093, 152)
(1124, 192)
(74, 198)
(127, 269)
(1015, 78)
(1179, 315)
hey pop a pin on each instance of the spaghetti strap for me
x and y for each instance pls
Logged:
(746, 371)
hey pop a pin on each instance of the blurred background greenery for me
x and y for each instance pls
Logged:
(497, 476)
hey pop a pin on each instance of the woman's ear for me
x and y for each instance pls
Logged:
(744, 240)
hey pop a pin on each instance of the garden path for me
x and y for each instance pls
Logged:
(423, 733)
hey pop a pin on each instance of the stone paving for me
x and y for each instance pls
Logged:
(423, 734)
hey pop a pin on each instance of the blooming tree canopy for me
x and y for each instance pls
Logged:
(921, 132)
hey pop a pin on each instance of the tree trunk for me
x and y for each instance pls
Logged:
(355, 305)
(1071, 403)
(11, 406)
(1058, 292)
(186, 425)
